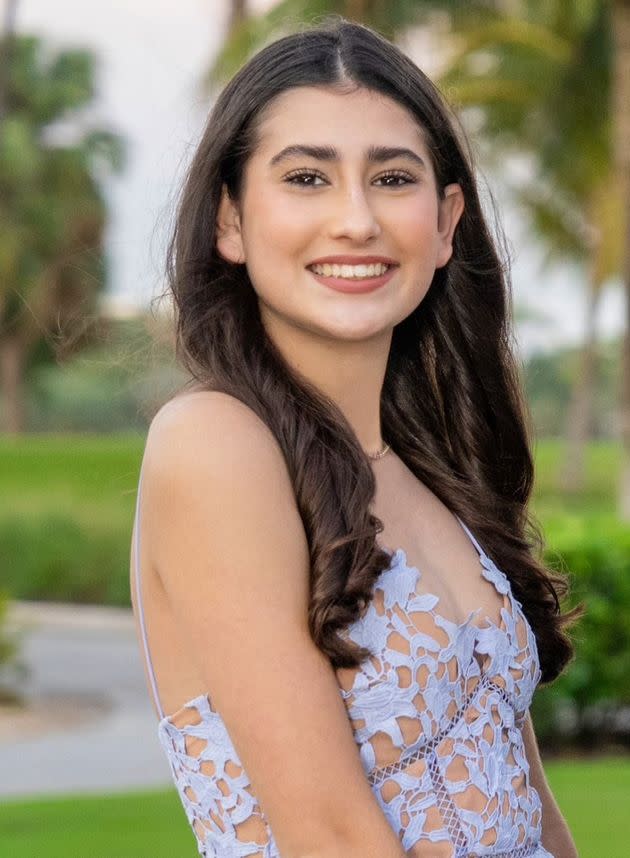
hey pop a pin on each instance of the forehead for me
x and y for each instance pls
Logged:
(360, 117)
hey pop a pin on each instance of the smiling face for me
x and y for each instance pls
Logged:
(339, 174)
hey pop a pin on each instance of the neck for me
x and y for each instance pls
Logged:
(350, 373)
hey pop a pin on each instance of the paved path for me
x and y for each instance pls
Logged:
(88, 653)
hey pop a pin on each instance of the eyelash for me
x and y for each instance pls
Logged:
(398, 174)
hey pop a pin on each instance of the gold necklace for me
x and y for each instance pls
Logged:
(380, 453)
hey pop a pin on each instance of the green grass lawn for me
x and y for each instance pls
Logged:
(92, 478)
(594, 796)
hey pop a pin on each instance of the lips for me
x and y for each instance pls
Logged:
(354, 286)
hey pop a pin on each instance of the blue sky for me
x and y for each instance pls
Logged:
(151, 57)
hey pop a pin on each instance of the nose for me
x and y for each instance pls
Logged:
(353, 217)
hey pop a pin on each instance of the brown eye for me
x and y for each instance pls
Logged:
(296, 178)
(403, 179)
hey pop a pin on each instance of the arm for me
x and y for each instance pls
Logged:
(556, 836)
(229, 545)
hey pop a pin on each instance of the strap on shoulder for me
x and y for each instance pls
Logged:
(137, 575)
(471, 537)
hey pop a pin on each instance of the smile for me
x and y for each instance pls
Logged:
(351, 272)
(354, 279)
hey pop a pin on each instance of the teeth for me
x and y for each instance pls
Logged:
(351, 272)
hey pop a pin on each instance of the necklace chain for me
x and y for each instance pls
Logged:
(380, 453)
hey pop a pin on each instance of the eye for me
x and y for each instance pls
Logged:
(294, 178)
(406, 178)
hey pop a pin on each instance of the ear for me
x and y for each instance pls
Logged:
(229, 240)
(451, 208)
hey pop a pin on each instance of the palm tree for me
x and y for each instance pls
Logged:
(568, 69)
(53, 213)
(554, 59)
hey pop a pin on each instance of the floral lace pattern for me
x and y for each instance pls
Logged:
(436, 713)
(439, 729)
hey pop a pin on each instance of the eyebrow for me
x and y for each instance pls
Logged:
(375, 154)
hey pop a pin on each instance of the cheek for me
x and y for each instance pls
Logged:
(276, 238)
(277, 231)
(415, 225)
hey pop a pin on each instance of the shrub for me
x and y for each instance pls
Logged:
(12, 669)
(50, 556)
(585, 702)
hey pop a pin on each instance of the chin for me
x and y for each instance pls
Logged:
(353, 331)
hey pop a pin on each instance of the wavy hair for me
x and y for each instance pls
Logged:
(452, 406)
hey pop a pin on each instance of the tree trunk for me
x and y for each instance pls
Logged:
(621, 114)
(580, 414)
(238, 13)
(12, 385)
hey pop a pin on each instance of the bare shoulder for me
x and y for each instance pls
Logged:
(212, 410)
(209, 458)
(215, 431)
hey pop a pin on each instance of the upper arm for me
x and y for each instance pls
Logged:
(232, 553)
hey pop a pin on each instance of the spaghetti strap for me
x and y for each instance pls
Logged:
(471, 537)
(136, 563)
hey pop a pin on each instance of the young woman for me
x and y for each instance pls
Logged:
(341, 613)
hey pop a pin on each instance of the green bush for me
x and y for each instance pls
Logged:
(52, 557)
(66, 534)
(583, 704)
(113, 385)
(11, 667)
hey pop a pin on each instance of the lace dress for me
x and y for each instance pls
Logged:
(436, 714)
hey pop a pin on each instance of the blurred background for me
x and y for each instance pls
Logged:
(101, 106)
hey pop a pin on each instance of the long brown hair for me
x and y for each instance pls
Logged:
(452, 406)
